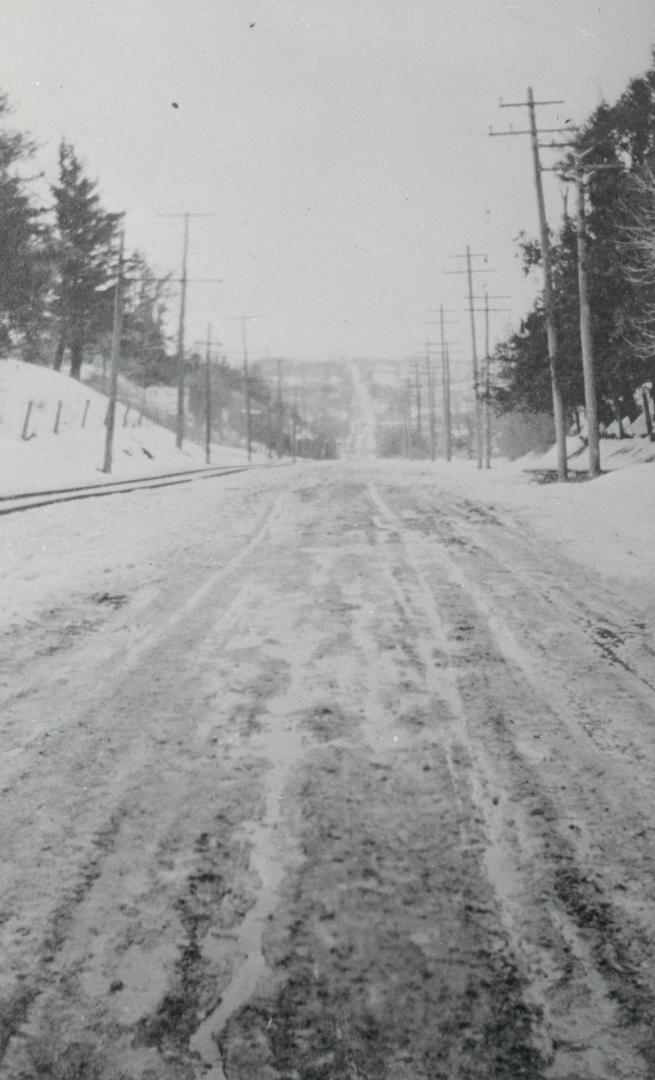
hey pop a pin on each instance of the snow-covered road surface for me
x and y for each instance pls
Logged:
(327, 772)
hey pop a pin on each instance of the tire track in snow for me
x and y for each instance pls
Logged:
(94, 809)
(566, 1035)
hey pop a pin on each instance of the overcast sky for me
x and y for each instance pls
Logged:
(342, 144)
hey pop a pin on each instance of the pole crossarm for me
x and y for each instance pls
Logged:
(206, 343)
(571, 175)
(497, 296)
(173, 280)
(473, 255)
(526, 131)
(184, 214)
(523, 104)
(482, 270)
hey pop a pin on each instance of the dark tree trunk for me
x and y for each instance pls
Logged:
(77, 355)
(576, 417)
(631, 409)
(647, 415)
(616, 405)
(59, 352)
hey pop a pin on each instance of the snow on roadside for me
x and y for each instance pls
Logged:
(608, 523)
(43, 459)
(614, 454)
(96, 547)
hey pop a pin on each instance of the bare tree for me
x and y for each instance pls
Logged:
(639, 246)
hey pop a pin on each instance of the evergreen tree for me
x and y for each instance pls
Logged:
(621, 136)
(522, 372)
(620, 139)
(24, 248)
(144, 337)
(640, 250)
(86, 260)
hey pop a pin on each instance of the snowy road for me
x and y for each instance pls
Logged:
(339, 774)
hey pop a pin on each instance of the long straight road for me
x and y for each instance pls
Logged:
(340, 774)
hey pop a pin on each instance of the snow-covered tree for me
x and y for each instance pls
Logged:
(24, 250)
(85, 258)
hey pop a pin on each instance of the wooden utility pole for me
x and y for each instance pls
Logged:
(208, 397)
(208, 343)
(484, 377)
(179, 433)
(577, 175)
(474, 357)
(403, 421)
(549, 304)
(477, 413)
(586, 342)
(180, 340)
(246, 385)
(486, 418)
(269, 424)
(115, 358)
(445, 391)
(431, 403)
(417, 388)
(280, 410)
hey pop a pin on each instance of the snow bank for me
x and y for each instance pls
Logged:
(608, 523)
(614, 454)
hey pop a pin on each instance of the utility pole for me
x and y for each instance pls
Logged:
(407, 416)
(293, 424)
(549, 305)
(445, 389)
(180, 340)
(484, 380)
(403, 421)
(208, 391)
(269, 423)
(579, 172)
(115, 357)
(431, 402)
(246, 384)
(476, 376)
(280, 410)
(417, 388)
(474, 352)
(448, 426)
(179, 437)
(586, 343)
(486, 420)
(208, 397)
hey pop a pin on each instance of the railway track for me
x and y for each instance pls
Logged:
(33, 500)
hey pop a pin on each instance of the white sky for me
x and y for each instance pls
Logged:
(342, 144)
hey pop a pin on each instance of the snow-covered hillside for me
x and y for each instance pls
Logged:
(59, 438)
